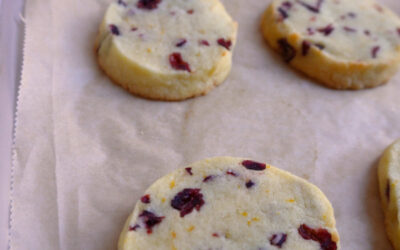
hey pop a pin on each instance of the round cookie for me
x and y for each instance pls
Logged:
(166, 49)
(342, 44)
(389, 178)
(231, 203)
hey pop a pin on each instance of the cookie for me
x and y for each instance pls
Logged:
(231, 203)
(342, 44)
(389, 178)
(166, 49)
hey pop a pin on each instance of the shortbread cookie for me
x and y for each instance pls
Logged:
(166, 49)
(230, 203)
(389, 178)
(344, 44)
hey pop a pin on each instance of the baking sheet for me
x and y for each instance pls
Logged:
(86, 150)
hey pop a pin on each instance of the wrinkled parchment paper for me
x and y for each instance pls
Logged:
(86, 150)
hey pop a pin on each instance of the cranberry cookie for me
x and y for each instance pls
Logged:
(231, 203)
(166, 49)
(389, 178)
(343, 44)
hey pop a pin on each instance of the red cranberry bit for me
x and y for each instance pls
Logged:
(230, 172)
(176, 61)
(367, 32)
(187, 200)
(326, 30)
(208, 178)
(121, 2)
(283, 13)
(348, 29)
(398, 31)
(252, 165)
(190, 12)
(145, 199)
(287, 5)
(204, 42)
(134, 29)
(181, 42)
(134, 228)
(305, 47)
(148, 4)
(114, 29)
(189, 171)
(215, 235)
(225, 43)
(320, 235)
(287, 50)
(278, 239)
(150, 220)
(310, 31)
(374, 51)
(249, 184)
(311, 8)
(387, 192)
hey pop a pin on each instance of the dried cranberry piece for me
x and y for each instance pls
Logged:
(208, 178)
(367, 32)
(148, 4)
(134, 29)
(181, 42)
(145, 199)
(287, 5)
(278, 239)
(215, 235)
(283, 13)
(398, 31)
(230, 172)
(187, 200)
(189, 171)
(190, 12)
(326, 30)
(348, 29)
(204, 42)
(320, 235)
(387, 192)
(311, 8)
(114, 29)
(150, 220)
(121, 2)
(310, 31)
(134, 228)
(378, 8)
(225, 43)
(305, 47)
(374, 51)
(287, 51)
(176, 61)
(249, 183)
(252, 165)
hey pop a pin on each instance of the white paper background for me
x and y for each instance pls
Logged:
(86, 149)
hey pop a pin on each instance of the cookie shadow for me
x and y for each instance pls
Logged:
(377, 232)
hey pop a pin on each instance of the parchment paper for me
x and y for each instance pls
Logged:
(86, 150)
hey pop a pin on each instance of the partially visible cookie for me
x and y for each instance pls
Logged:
(342, 44)
(231, 203)
(166, 49)
(389, 179)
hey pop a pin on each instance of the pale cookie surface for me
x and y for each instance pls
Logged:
(343, 44)
(389, 178)
(166, 49)
(231, 203)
